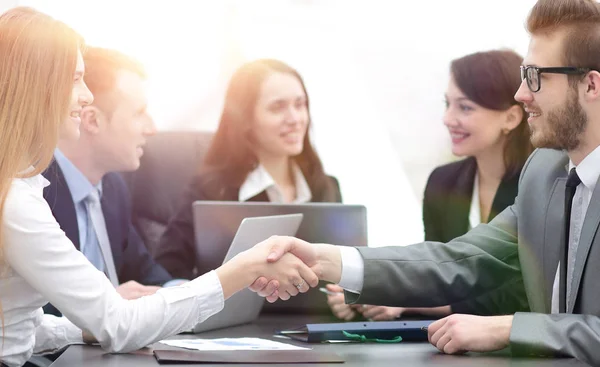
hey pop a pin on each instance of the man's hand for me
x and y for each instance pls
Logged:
(134, 290)
(325, 260)
(279, 245)
(467, 333)
(381, 313)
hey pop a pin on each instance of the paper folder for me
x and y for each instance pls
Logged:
(246, 357)
(374, 330)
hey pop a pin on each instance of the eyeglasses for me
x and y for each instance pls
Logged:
(532, 74)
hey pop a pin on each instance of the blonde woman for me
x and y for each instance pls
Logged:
(43, 91)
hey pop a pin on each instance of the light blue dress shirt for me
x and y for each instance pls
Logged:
(80, 187)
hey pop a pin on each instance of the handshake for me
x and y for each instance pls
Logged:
(280, 268)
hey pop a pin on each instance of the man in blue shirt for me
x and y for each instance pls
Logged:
(88, 198)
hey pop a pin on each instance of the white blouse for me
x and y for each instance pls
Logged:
(475, 212)
(40, 265)
(260, 180)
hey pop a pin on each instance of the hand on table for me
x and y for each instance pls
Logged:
(381, 313)
(135, 290)
(458, 333)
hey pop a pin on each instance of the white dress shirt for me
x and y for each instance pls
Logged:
(260, 180)
(41, 265)
(589, 172)
(353, 265)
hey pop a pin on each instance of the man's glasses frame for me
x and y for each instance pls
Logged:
(532, 74)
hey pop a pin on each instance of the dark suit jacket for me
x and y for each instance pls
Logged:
(177, 248)
(446, 206)
(523, 242)
(447, 199)
(131, 258)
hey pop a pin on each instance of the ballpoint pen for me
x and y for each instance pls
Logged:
(328, 292)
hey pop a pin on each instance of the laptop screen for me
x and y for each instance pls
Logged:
(215, 224)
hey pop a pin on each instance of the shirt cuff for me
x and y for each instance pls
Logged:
(175, 282)
(207, 287)
(73, 334)
(353, 269)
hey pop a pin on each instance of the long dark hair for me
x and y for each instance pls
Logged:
(491, 80)
(231, 154)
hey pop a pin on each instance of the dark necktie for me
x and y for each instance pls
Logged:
(570, 188)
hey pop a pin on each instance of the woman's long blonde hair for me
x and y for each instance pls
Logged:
(38, 57)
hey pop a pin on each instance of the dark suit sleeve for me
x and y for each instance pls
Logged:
(176, 250)
(138, 264)
(466, 267)
(476, 273)
(507, 299)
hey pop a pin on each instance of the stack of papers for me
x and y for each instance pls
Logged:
(230, 344)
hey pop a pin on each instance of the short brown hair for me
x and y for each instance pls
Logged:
(581, 19)
(491, 80)
(101, 68)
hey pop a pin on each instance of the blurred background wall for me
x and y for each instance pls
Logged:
(376, 72)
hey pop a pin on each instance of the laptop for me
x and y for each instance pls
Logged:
(244, 306)
(215, 223)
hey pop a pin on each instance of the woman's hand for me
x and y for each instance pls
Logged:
(292, 275)
(337, 303)
(381, 313)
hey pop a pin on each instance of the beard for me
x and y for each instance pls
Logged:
(564, 126)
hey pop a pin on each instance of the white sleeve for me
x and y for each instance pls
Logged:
(353, 269)
(40, 252)
(54, 333)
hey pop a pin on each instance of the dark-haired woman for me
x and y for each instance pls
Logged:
(260, 152)
(489, 128)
